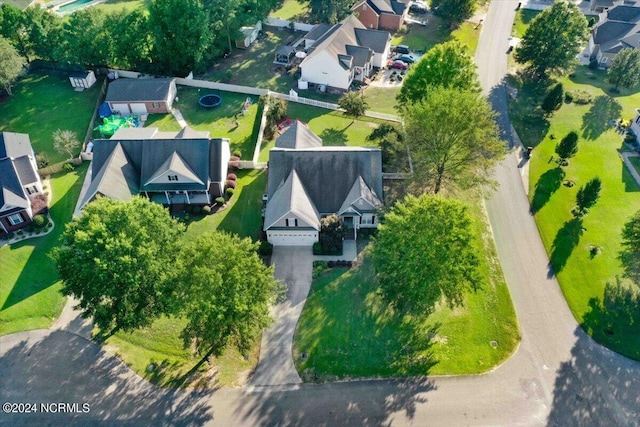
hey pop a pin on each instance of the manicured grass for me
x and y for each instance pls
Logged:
(164, 122)
(292, 10)
(347, 331)
(582, 276)
(113, 6)
(522, 21)
(635, 162)
(29, 286)
(382, 100)
(332, 126)
(468, 34)
(41, 104)
(422, 37)
(221, 121)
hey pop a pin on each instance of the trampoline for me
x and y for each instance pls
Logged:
(210, 101)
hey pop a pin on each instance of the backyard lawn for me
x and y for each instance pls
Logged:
(292, 10)
(29, 286)
(41, 104)
(346, 331)
(583, 252)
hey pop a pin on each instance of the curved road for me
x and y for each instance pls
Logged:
(557, 377)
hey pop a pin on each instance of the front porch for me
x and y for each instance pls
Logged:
(182, 198)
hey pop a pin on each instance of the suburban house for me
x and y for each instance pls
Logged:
(21, 194)
(618, 28)
(381, 14)
(141, 96)
(177, 169)
(345, 53)
(602, 5)
(635, 125)
(307, 182)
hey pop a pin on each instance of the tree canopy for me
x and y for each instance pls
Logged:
(568, 146)
(436, 259)
(120, 261)
(553, 99)
(625, 68)
(630, 254)
(453, 139)
(66, 142)
(453, 12)
(553, 40)
(329, 11)
(446, 64)
(354, 104)
(225, 292)
(11, 64)
(588, 195)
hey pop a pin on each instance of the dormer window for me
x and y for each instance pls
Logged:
(173, 177)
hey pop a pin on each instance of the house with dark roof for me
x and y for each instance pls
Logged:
(176, 169)
(602, 5)
(635, 125)
(381, 14)
(308, 181)
(345, 53)
(618, 28)
(141, 96)
(20, 184)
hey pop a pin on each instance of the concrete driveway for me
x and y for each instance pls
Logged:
(293, 267)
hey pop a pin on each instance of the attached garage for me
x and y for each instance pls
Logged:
(122, 109)
(292, 238)
(138, 108)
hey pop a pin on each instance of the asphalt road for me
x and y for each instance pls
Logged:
(557, 377)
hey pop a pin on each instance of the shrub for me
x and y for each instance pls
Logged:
(220, 201)
(331, 264)
(39, 221)
(629, 137)
(42, 161)
(237, 153)
(568, 97)
(229, 192)
(553, 100)
(187, 217)
(581, 97)
(206, 210)
(231, 177)
(593, 64)
(10, 236)
(197, 209)
(20, 233)
(317, 249)
(265, 248)
(231, 184)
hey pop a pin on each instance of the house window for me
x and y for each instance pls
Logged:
(156, 105)
(173, 177)
(16, 219)
(292, 222)
(604, 60)
(32, 190)
(368, 220)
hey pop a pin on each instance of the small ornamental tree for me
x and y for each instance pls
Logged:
(553, 100)
(567, 148)
(276, 112)
(331, 234)
(625, 68)
(66, 143)
(354, 104)
(588, 196)
(630, 255)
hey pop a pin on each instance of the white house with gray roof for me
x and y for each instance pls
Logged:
(177, 169)
(20, 182)
(306, 184)
(618, 28)
(346, 52)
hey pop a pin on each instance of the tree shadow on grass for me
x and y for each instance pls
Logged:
(565, 242)
(596, 121)
(548, 184)
(335, 137)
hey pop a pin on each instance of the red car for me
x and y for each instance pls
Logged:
(399, 65)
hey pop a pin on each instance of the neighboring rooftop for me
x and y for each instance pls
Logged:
(125, 90)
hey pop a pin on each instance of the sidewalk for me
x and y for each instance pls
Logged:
(179, 118)
(625, 158)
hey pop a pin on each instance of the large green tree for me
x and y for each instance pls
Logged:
(180, 36)
(625, 68)
(630, 254)
(353, 104)
(437, 259)
(11, 64)
(130, 40)
(446, 64)
(329, 11)
(120, 260)
(13, 27)
(553, 40)
(84, 39)
(453, 139)
(453, 12)
(225, 292)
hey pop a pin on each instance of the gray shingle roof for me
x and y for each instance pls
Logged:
(291, 198)
(376, 40)
(360, 193)
(298, 135)
(14, 145)
(11, 192)
(16, 170)
(140, 90)
(327, 173)
(25, 170)
(619, 29)
(317, 31)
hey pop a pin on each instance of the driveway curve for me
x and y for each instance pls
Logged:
(557, 377)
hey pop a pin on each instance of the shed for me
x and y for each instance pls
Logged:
(82, 79)
(249, 35)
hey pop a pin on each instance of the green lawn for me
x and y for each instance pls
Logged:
(292, 10)
(29, 287)
(221, 121)
(346, 331)
(112, 6)
(332, 126)
(522, 21)
(164, 122)
(582, 276)
(41, 104)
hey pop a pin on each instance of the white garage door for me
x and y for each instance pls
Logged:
(292, 238)
(138, 109)
(122, 109)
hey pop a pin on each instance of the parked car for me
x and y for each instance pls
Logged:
(405, 57)
(399, 65)
(401, 48)
(418, 9)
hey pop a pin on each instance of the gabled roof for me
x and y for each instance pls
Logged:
(361, 197)
(384, 6)
(26, 173)
(619, 28)
(174, 165)
(138, 90)
(116, 179)
(11, 192)
(298, 135)
(16, 170)
(291, 199)
(376, 40)
(317, 31)
(14, 145)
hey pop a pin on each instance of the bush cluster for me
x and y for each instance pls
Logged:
(220, 200)
(206, 209)
(265, 248)
(229, 192)
(39, 221)
(579, 97)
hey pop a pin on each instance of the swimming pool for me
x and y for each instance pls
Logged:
(72, 6)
